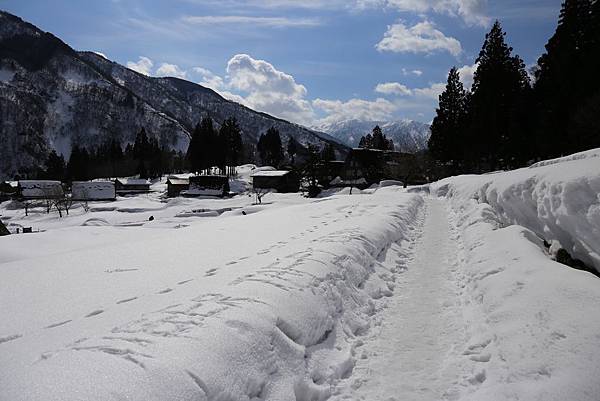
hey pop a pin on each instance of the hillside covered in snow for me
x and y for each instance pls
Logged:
(52, 96)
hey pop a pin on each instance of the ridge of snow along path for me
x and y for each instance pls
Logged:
(268, 306)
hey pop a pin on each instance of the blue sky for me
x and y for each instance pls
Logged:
(311, 61)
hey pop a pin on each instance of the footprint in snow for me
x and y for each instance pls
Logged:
(210, 272)
(10, 338)
(184, 281)
(126, 300)
(166, 290)
(94, 313)
(53, 325)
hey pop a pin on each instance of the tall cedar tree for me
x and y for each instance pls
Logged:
(567, 87)
(55, 167)
(328, 152)
(199, 154)
(79, 164)
(292, 149)
(231, 141)
(446, 142)
(499, 86)
(269, 148)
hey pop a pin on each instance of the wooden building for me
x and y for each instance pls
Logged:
(39, 189)
(128, 186)
(175, 185)
(93, 191)
(207, 185)
(279, 180)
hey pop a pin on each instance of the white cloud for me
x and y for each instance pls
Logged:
(143, 66)
(254, 21)
(418, 73)
(393, 88)
(432, 91)
(209, 79)
(466, 73)
(170, 70)
(337, 110)
(473, 12)
(420, 38)
(268, 89)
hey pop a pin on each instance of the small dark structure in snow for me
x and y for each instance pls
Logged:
(175, 185)
(3, 229)
(208, 185)
(93, 191)
(8, 189)
(39, 189)
(125, 186)
(279, 180)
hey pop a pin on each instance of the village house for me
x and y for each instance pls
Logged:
(39, 189)
(128, 186)
(207, 185)
(175, 185)
(93, 191)
(279, 180)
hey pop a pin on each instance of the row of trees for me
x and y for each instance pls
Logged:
(144, 157)
(208, 147)
(376, 140)
(505, 119)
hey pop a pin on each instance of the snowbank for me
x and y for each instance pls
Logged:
(160, 315)
(558, 200)
(531, 323)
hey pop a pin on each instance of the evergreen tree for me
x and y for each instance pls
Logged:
(269, 148)
(499, 85)
(79, 163)
(201, 146)
(231, 137)
(55, 166)
(328, 152)
(568, 83)
(446, 142)
(376, 140)
(292, 149)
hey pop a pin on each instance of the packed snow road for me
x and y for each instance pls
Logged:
(416, 353)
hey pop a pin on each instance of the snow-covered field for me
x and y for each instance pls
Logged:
(439, 292)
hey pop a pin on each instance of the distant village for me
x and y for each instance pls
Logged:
(362, 167)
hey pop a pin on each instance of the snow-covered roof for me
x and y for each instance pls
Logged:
(133, 181)
(94, 190)
(270, 173)
(178, 181)
(40, 189)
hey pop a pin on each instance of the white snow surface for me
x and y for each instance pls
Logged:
(557, 199)
(442, 292)
(266, 305)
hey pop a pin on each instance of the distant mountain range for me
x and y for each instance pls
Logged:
(52, 96)
(408, 136)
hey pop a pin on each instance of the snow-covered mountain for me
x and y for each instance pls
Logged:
(52, 96)
(409, 136)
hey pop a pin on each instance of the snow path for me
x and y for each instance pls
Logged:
(416, 353)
